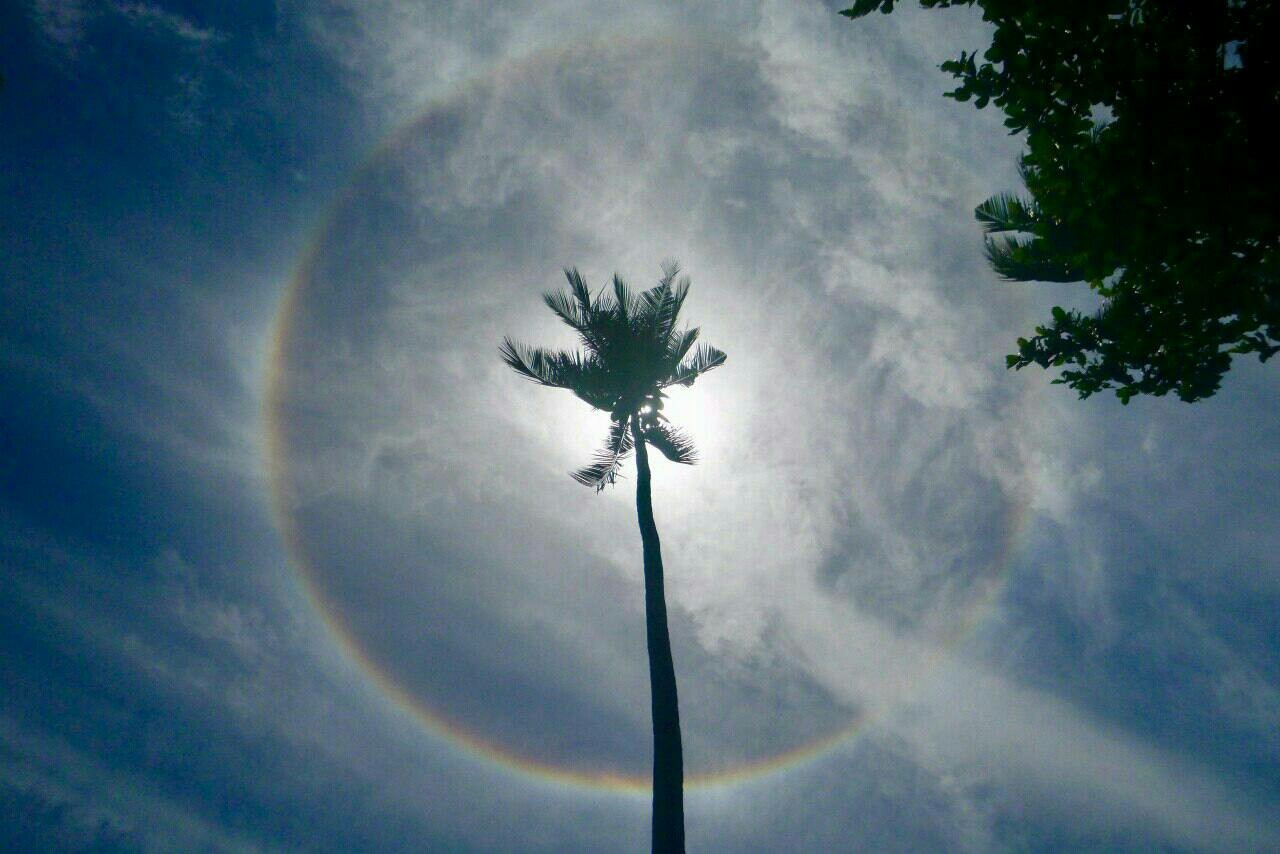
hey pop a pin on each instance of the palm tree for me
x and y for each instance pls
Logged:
(1030, 247)
(633, 350)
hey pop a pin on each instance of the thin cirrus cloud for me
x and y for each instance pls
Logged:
(980, 597)
(66, 23)
(615, 156)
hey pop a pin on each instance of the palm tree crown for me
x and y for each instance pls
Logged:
(633, 350)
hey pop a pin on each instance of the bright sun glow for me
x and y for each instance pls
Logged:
(703, 412)
(706, 412)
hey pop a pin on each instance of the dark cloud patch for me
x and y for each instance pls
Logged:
(444, 621)
(957, 525)
(35, 823)
(878, 796)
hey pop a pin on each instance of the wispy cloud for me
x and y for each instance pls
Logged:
(870, 466)
(151, 15)
(1050, 615)
(67, 23)
(63, 22)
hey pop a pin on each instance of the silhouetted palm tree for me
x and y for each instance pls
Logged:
(1026, 250)
(633, 350)
(1030, 247)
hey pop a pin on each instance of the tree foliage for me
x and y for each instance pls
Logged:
(1150, 172)
(633, 349)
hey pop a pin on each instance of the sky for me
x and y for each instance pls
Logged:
(290, 560)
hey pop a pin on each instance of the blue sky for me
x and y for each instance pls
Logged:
(271, 509)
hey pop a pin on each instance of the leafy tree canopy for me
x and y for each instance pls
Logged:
(1151, 175)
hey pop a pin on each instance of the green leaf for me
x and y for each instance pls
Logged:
(1006, 212)
(1029, 260)
(861, 8)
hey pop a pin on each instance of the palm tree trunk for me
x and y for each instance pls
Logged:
(668, 759)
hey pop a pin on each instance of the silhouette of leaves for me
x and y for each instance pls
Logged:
(1028, 260)
(607, 462)
(1150, 174)
(632, 351)
(704, 358)
(1006, 212)
(674, 443)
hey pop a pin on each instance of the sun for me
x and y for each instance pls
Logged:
(705, 413)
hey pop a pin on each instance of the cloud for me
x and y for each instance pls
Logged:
(62, 22)
(76, 30)
(66, 23)
(166, 710)
(869, 466)
(1076, 769)
(1052, 617)
(150, 15)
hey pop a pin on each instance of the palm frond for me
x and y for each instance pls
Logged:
(674, 443)
(586, 323)
(662, 303)
(1006, 212)
(606, 463)
(651, 300)
(564, 307)
(528, 362)
(623, 297)
(669, 312)
(595, 384)
(554, 368)
(704, 358)
(579, 289)
(1030, 260)
(679, 345)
